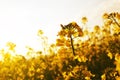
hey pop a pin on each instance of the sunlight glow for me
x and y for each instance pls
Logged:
(20, 20)
(55, 40)
(1, 58)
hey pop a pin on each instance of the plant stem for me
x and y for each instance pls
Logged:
(71, 40)
(115, 20)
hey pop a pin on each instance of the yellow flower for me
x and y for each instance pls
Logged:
(105, 16)
(96, 28)
(85, 32)
(40, 32)
(84, 20)
(73, 23)
(117, 78)
(103, 77)
(117, 15)
(11, 45)
(110, 55)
